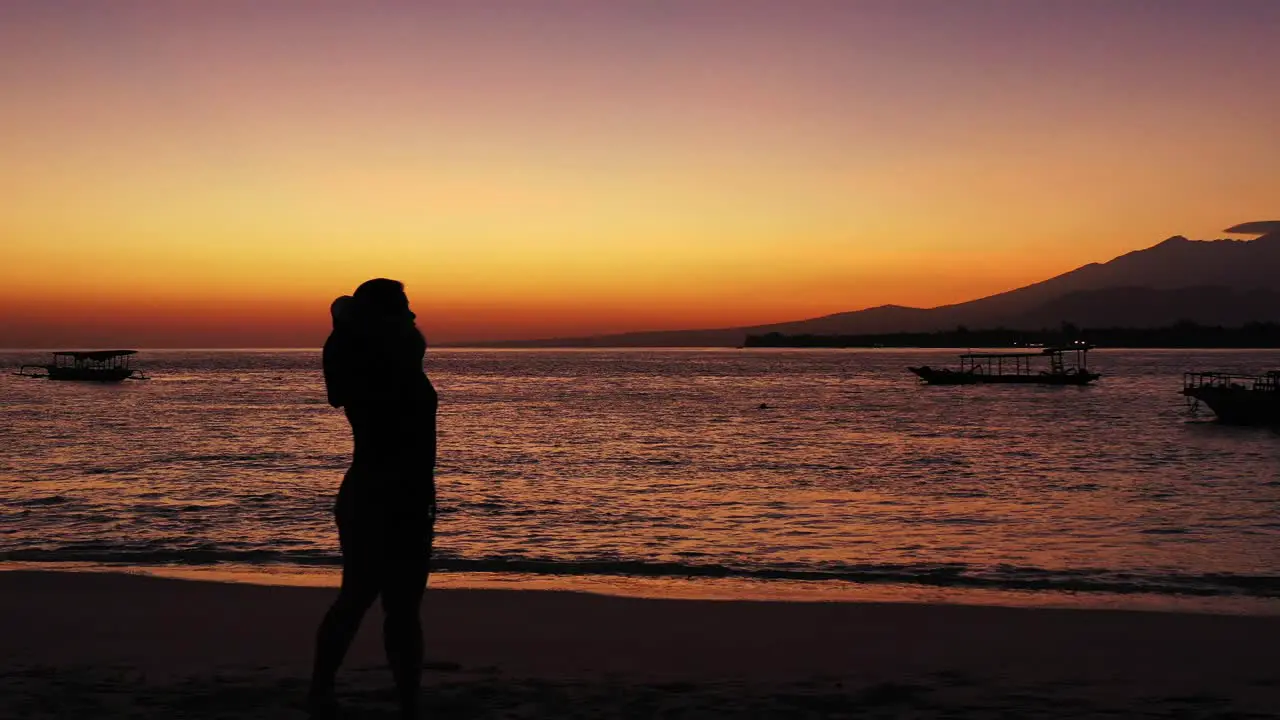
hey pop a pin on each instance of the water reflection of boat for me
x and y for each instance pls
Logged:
(90, 365)
(1016, 368)
(1237, 399)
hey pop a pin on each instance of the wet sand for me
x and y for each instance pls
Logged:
(113, 646)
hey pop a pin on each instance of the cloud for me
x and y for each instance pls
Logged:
(1257, 227)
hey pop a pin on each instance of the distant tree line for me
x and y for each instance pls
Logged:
(1184, 334)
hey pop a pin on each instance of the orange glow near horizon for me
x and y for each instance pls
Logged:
(213, 175)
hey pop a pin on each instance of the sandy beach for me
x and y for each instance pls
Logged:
(91, 645)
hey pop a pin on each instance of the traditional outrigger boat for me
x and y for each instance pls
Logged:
(1236, 399)
(91, 365)
(1016, 368)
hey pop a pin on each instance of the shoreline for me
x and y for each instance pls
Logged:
(644, 348)
(114, 643)
(710, 589)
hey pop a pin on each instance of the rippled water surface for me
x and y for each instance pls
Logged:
(662, 464)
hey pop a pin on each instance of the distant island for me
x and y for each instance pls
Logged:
(1210, 283)
(1179, 335)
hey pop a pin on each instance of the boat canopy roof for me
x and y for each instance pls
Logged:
(993, 356)
(1041, 353)
(94, 354)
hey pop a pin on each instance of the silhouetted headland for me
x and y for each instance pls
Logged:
(1181, 335)
(1227, 283)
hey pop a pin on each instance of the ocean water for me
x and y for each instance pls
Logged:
(657, 472)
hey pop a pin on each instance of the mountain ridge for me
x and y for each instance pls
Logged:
(1220, 281)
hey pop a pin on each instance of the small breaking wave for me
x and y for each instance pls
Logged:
(193, 556)
(957, 575)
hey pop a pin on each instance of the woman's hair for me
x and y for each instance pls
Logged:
(379, 307)
(340, 310)
(374, 338)
(382, 297)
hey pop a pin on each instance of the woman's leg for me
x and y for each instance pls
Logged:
(402, 603)
(360, 585)
(338, 628)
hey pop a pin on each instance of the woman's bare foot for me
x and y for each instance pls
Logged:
(322, 705)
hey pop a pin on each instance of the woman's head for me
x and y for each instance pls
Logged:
(379, 308)
(382, 298)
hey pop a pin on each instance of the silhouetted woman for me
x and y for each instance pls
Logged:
(387, 503)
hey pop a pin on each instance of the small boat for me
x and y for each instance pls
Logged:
(1016, 368)
(89, 365)
(1236, 399)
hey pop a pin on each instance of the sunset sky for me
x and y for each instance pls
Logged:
(214, 173)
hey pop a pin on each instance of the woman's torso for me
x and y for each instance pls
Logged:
(391, 406)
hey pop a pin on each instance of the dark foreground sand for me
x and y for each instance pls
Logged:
(79, 645)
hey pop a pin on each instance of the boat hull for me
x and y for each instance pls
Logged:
(952, 377)
(1239, 406)
(88, 375)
